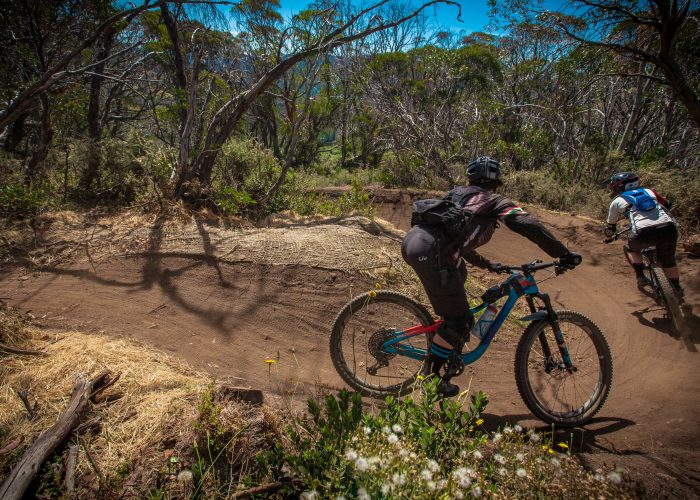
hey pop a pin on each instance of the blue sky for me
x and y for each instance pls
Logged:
(474, 14)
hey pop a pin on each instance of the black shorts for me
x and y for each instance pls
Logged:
(663, 237)
(442, 279)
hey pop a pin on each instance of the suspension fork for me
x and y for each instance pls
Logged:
(558, 335)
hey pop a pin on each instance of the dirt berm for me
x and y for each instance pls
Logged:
(227, 298)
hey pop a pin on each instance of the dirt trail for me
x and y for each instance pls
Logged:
(226, 312)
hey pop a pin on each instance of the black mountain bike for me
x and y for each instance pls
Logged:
(660, 288)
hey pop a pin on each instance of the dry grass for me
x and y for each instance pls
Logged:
(157, 416)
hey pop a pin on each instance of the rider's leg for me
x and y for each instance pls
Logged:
(444, 286)
(638, 266)
(666, 255)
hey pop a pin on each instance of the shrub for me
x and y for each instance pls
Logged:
(19, 200)
(426, 447)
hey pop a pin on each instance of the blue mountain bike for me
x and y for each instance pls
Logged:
(563, 366)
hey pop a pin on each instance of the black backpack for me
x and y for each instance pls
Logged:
(450, 216)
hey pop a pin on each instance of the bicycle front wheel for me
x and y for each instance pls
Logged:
(552, 392)
(360, 330)
(668, 297)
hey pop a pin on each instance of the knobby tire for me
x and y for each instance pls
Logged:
(361, 323)
(534, 382)
(668, 297)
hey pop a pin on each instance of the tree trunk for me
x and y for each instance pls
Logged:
(43, 143)
(94, 123)
(14, 134)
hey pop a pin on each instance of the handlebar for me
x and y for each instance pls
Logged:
(533, 266)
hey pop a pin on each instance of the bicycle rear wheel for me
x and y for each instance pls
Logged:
(668, 297)
(549, 390)
(359, 331)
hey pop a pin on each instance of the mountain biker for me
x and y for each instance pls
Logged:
(443, 276)
(653, 227)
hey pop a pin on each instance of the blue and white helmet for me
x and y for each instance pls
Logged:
(623, 181)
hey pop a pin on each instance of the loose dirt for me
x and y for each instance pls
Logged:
(226, 299)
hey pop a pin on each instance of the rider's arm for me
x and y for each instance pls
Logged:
(527, 225)
(476, 259)
(616, 210)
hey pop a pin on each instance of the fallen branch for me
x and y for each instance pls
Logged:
(17, 350)
(71, 463)
(265, 488)
(31, 409)
(22, 474)
(91, 459)
(11, 447)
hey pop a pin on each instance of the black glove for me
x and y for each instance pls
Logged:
(570, 260)
(495, 267)
(609, 230)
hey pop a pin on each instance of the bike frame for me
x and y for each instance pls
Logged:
(518, 284)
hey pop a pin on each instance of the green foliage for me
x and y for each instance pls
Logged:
(21, 201)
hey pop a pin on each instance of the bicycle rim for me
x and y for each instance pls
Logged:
(668, 298)
(359, 331)
(549, 390)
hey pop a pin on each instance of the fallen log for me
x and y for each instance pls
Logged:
(24, 471)
(18, 350)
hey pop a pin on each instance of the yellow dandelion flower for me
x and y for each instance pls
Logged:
(270, 361)
(479, 421)
(550, 451)
(378, 286)
(563, 445)
(372, 294)
(420, 377)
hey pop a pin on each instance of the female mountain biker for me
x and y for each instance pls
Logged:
(443, 276)
(651, 224)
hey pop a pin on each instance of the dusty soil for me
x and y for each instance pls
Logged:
(225, 300)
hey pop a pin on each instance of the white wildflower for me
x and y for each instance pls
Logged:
(497, 437)
(375, 460)
(386, 430)
(433, 465)
(393, 438)
(465, 482)
(534, 437)
(615, 477)
(309, 495)
(361, 464)
(441, 484)
(367, 430)
(426, 475)
(397, 428)
(502, 471)
(363, 495)
(507, 430)
(520, 457)
(413, 455)
(386, 488)
(517, 428)
(458, 494)
(341, 497)
(351, 454)
(431, 485)
(403, 453)
(499, 458)
(476, 491)
(520, 472)
(185, 476)
(599, 477)
(399, 479)
(478, 455)
(556, 462)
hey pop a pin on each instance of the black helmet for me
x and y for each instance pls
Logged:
(623, 181)
(484, 170)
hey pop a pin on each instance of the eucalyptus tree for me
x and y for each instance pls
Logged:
(428, 101)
